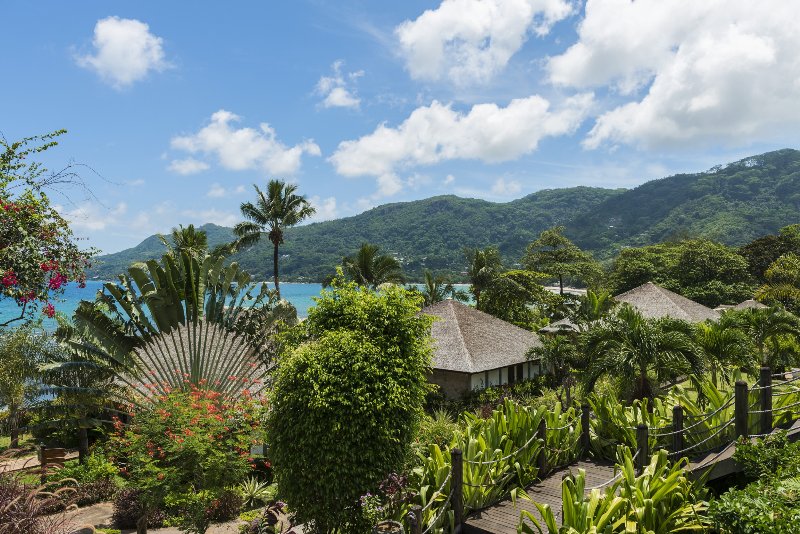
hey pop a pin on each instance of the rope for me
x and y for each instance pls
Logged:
(685, 429)
(432, 525)
(615, 477)
(687, 449)
(439, 491)
(605, 422)
(715, 412)
(568, 425)
(787, 407)
(504, 458)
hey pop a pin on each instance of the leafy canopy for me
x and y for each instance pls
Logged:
(554, 254)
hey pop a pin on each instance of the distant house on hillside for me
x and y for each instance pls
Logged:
(655, 302)
(750, 303)
(474, 350)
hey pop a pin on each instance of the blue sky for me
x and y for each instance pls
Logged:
(180, 107)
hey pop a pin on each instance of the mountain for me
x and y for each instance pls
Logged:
(733, 203)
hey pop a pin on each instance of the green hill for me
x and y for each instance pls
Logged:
(734, 204)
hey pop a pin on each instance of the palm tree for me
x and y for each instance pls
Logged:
(484, 266)
(723, 345)
(273, 212)
(186, 239)
(559, 355)
(763, 324)
(594, 306)
(631, 348)
(370, 268)
(438, 288)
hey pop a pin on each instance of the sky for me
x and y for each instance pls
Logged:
(174, 110)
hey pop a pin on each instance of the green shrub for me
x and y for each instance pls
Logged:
(348, 401)
(770, 456)
(771, 506)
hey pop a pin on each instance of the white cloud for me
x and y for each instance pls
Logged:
(449, 180)
(213, 215)
(436, 133)
(125, 51)
(136, 183)
(245, 148)
(338, 90)
(326, 208)
(472, 40)
(720, 70)
(188, 166)
(92, 216)
(506, 188)
(217, 191)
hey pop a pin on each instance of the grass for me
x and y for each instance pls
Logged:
(26, 443)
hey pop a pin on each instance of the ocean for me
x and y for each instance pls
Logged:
(301, 295)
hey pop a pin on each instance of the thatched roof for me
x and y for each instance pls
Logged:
(655, 302)
(750, 303)
(562, 326)
(469, 341)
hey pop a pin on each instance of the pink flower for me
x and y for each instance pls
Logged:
(9, 279)
(49, 310)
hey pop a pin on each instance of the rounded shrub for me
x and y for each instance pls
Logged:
(347, 402)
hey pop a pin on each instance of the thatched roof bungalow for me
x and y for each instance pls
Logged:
(747, 304)
(562, 326)
(474, 350)
(655, 302)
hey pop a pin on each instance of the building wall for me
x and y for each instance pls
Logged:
(452, 384)
(499, 377)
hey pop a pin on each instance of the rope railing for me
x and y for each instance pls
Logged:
(436, 519)
(506, 457)
(438, 492)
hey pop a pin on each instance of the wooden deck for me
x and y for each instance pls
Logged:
(503, 517)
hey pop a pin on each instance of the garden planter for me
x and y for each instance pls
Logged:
(388, 527)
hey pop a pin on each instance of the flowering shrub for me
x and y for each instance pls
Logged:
(187, 448)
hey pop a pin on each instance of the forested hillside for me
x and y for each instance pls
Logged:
(733, 204)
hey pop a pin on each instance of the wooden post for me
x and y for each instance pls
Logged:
(742, 409)
(765, 382)
(541, 461)
(643, 448)
(456, 483)
(677, 431)
(585, 428)
(415, 519)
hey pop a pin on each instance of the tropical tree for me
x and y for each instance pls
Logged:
(782, 283)
(274, 210)
(186, 239)
(639, 351)
(517, 297)
(38, 253)
(554, 254)
(763, 325)
(369, 268)
(723, 344)
(483, 266)
(559, 355)
(21, 351)
(594, 306)
(437, 288)
(762, 252)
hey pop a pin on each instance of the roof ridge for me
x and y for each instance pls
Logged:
(461, 335)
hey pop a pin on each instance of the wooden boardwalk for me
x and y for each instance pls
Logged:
(503, 517)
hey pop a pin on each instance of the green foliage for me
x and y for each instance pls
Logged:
(190, 240)
(764, 251)
(483, 266)
(38, 253)
(518, 297)
(280, 208)
(782, 283)
(437, 288)
(765, 327)
(773, 455)
(348, 401)
(96, 467)
(699, 269)
(659, 501)
(254, 492)
(186, 449)
(370, 268)
(555, 255)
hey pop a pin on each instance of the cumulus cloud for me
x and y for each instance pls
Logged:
(92, 216)
(125, 51)
(472, 40)
(720, 71)
(217, 191)
(244, 148)
(338, 90)
(213, 215)
(437, 133)
(326, 208)
(449, 180)
(506, 188)
(187, 166)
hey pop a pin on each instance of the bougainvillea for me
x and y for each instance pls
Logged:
(186, 447)
(38, 253)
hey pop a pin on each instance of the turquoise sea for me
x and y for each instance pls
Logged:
(301, 295)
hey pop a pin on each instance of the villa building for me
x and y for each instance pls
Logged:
(474, 350)
(655, 302)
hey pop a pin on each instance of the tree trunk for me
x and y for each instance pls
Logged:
(13, 422)
(141, 524)
(275, 268)
(561, 284)
(83, 445)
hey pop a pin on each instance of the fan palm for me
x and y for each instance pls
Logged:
(370, 268)
(630, 347)
(274, 211)
(483, 267)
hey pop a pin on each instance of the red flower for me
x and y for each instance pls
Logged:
(49, 310)
(9, 279)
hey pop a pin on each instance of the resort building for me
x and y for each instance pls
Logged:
(474, 350)
(750, 303)
(655, 302)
